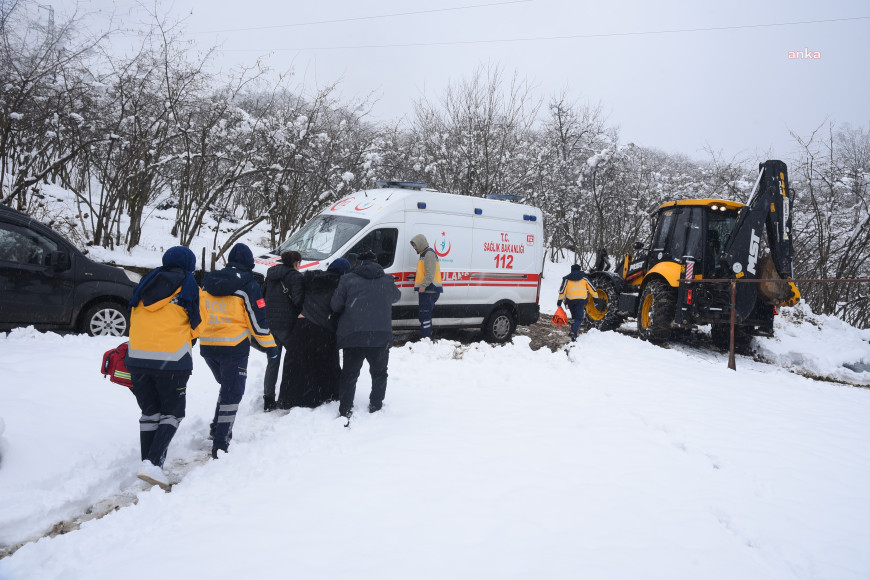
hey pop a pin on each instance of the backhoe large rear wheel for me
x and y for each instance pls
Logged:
(721, 336)
(658, 304)
(607, 318)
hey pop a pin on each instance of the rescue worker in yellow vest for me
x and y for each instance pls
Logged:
(576, 289)
(164, 323)
(233, 310)
(427, 282)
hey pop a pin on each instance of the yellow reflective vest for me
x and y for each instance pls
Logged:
(161, 336)
(576, 289)
(229, 322)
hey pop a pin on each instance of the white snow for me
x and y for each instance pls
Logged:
(611, 458)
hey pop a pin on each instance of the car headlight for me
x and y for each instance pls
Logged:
(133, 276)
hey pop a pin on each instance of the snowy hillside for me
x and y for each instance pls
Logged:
(609, 458)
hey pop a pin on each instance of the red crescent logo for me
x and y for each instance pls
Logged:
(341, 204)
(365, 205)
(440, 255)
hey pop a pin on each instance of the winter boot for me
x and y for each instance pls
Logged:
(269, 404)
(153, 474)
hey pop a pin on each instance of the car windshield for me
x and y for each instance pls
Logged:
(323, 236)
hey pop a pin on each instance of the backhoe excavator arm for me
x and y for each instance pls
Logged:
(769, 209)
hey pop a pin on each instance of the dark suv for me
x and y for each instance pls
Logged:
(47, 282)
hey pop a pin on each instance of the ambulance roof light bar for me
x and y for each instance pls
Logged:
(415, 185)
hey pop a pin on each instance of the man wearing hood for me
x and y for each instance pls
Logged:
(164, 322)
(575, 291)
(233, 310)
(364, 302)
(427, 282)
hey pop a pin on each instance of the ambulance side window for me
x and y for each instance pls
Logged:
(382, 242)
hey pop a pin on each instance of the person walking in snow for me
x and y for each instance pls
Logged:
(284, 293)
(233, 310)
(576, 289)
(164, 324)
(317, 370)
(427, 282)
(364, 300)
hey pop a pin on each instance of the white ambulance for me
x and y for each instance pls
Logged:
(491, 252)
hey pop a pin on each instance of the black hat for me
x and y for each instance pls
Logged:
(575, 268)
(366, 254)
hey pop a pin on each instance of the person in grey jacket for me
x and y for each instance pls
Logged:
(364, 301)
(427, 282)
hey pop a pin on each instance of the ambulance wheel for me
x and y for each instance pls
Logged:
(105, 319)
(499, 326)
(658, 304)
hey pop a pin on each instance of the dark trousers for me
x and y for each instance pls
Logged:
(378, 358)
(427, 304)
(312, 377)
(161, 396)
(231, 374)
(578, 315)
(273, 365)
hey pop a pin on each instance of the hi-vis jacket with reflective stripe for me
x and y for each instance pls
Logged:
(160, 336)
(233, 310)
(428, 276)
(573, 289)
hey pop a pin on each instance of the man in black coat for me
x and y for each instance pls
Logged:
(284, 294)
(364, 301)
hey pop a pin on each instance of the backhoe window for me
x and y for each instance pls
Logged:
(686, 240)
(663, 229)
(323, 236)
(720, 224)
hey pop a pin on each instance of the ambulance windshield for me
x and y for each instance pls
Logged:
(323, 236)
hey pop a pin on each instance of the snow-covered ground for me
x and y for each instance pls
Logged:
(611, 458)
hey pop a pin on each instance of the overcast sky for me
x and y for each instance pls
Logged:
(735, 90)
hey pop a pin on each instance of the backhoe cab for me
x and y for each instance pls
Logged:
(699, 239)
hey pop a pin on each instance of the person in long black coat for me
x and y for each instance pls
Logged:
(284, 293)
(316, 370)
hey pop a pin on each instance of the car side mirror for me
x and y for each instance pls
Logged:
(59, 261)
(638, 245)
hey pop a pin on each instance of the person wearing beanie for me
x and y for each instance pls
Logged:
(284, 293)
(364, 302)
(233, 310)
(164, 323)
(427, 282)
(315, 371)
(576, 289)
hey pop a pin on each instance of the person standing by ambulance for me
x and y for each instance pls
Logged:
(164, 322)
(427, 282)
(575, 291)
(233, 310)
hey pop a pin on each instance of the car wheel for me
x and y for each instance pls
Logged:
(499, 326)
(106, 319)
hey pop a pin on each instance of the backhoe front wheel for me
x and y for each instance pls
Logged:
(606, 318)
(658, 304)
